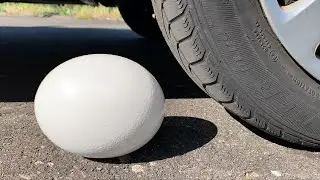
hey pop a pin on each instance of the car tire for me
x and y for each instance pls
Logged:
(138, 16)
(228, 48)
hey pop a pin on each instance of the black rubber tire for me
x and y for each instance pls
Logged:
(228, 48)
(138, 16)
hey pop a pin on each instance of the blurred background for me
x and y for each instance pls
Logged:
(47, 10)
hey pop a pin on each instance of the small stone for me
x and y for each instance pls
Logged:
(276, 173)
(50, 164)
(38, 162)
(251, 174)
(152, 163)
(137, 169)
(23, 176)
(99, 168)
(42, 147)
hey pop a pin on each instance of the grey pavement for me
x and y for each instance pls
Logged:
(198, 139)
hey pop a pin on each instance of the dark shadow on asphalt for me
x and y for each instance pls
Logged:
(271, 138)
(29, 53)
(177, 136)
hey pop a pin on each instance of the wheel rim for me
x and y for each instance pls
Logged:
(297, 26)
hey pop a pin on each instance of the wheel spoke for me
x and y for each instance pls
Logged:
(298, 28)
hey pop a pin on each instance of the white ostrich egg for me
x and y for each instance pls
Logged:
(99, 106)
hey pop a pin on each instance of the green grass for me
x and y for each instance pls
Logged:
(77, 11)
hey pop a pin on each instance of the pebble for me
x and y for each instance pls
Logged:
(50, 164)
(251, 174)
(276, 173)
(137, 169)
(38, 162)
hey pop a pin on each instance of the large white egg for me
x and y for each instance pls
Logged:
(99, 106)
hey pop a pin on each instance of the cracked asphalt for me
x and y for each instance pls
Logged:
(198, 139)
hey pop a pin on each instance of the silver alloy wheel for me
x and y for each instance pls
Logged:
(298, 28)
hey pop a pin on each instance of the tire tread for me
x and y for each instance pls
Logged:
(202, 64)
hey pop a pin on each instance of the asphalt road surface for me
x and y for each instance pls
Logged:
(198, 139)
